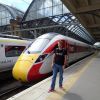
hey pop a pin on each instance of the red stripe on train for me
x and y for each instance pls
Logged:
(34, 73)
(52, 46)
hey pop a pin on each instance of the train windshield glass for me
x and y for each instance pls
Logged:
(37, 46)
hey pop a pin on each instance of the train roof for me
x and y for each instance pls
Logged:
(75, 41)
(7, 40)
(52, 35)
(48, 35)
(10, 36)
(13, 38)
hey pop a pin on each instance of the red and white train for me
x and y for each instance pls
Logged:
(35, 62)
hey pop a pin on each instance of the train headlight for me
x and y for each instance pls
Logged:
(41, 58)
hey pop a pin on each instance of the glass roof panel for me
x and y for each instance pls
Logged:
(48, 8)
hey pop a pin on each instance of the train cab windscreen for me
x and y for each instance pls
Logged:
(38, 45)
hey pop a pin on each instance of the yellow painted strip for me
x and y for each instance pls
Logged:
(59, 93)
(12, 40)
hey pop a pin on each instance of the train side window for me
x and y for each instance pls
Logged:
(13, 51)
(72, 48)
(75, 48)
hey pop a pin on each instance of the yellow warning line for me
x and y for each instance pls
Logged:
(59, 93)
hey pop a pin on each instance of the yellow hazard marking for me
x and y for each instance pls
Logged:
(72, 79)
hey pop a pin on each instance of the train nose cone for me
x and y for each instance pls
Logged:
(21, 69)
(23, 65)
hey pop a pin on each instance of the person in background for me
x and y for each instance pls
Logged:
(59, 62)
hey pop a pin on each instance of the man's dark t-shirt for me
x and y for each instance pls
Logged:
(60, 56)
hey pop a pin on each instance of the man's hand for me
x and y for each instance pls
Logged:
(64, 67)
(52, 65)
(53, 60)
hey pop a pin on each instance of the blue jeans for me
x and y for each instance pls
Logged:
(57, 68)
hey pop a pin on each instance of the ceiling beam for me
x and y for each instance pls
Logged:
(87, 2)
(97, 15)
(96, 33)
(87, 9)
(97, 40)
(97, 36)
(78, 10)
(70, 5)
(93, 26)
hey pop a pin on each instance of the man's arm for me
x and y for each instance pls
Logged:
(53, 60)
(65, 61)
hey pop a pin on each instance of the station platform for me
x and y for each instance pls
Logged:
(81, 82)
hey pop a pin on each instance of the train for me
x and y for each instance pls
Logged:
(35, 62)
(10, 50)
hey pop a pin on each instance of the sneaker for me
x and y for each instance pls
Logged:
(51, 90)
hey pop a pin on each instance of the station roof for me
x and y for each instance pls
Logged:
(88, 13)
(38, 14)
(12, 10)
(6, 14)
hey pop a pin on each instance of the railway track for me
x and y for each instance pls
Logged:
(10, 88)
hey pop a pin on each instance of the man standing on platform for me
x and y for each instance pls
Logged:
(59, 62)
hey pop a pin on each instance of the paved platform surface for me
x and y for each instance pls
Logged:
(81, 82)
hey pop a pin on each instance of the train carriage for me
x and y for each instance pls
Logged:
(10, 50)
